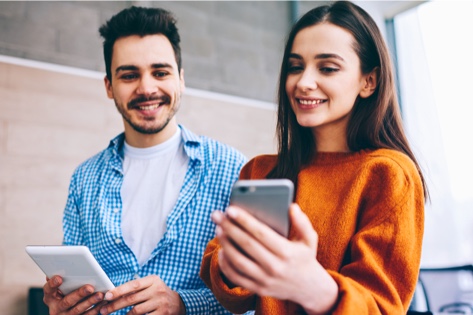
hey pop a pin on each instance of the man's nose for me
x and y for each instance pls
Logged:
(147, 85)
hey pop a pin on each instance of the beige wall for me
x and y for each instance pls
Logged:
(50, 121)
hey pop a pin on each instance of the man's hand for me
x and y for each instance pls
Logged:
(81, 301)
(149, 295)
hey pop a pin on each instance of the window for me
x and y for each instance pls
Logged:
(435, 69)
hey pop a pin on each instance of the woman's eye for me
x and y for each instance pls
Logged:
(328, 70)
(295, 69)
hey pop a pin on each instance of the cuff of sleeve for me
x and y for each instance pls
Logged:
(351, 296)
(195, 301)
(236, 298)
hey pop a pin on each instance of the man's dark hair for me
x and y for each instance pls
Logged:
(139, 21)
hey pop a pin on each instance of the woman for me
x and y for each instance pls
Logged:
(357, 221)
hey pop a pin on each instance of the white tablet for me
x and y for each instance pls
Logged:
(75, 264)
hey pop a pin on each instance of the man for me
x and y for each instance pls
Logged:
(143, 205)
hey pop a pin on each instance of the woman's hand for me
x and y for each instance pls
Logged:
(257, 258)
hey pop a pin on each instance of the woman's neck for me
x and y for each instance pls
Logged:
(331, 139)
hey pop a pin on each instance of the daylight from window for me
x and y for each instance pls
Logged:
(435, 68)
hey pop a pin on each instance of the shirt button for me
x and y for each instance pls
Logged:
(118, 240)
(136, 276)
(116, 210)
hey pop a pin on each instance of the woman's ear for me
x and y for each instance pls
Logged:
(370, 83)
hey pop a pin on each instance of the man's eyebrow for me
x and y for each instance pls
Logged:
(126, 68)
(319, 56)
(135, 68)
(161, 65)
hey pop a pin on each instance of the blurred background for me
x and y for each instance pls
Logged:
(54, 112)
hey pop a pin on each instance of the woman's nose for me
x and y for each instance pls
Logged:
(307, 80)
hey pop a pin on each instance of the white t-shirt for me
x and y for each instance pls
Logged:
(151, 184)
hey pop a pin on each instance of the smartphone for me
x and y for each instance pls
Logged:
(266, 199)
(75, 264)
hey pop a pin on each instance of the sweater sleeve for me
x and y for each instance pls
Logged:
(383, 258)
(236, 299)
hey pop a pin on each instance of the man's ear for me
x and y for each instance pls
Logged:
(182, 81)
(108, 87)
(370, 83)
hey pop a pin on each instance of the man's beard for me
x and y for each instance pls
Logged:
(151, 129)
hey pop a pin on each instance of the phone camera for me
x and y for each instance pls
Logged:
(243, 189)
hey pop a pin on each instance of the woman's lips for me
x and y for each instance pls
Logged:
(309, 103)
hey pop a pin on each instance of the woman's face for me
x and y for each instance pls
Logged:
(324, 79)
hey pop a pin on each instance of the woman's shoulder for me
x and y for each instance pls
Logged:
(391, 168)
(391, 159)
(259, 166)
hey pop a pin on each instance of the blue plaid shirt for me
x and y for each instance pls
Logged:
(93, 212)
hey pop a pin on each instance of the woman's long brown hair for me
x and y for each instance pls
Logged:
(375, 122)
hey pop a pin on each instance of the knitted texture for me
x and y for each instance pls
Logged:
(368, 210)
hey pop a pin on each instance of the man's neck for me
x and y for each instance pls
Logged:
(140, 140)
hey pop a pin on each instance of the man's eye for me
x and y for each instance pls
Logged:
(129, 76)
(161, 74)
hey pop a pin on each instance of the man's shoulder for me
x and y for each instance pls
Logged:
(211, 143)
(100, 159)
(92, 164)
(97, 158)
(210, 148)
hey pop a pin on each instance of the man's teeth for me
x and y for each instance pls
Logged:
(311, 102)
(149, 107)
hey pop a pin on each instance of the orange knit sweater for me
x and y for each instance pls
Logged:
(368, 210)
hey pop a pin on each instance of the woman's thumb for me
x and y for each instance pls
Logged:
(302, 227)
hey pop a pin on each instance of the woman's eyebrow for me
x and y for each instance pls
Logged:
(328, 56)
(318, 56)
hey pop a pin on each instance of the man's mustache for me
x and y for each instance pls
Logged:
(141, 99)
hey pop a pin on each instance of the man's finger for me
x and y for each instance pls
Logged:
(75, 297)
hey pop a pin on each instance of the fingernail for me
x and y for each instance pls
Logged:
(103, 311)
(216, 217)
(108, 296)
(88, 290)
(218, 231)
(232, 212)
(98, 298)
(56, 280)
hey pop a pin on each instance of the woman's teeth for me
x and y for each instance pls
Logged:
(311, 102)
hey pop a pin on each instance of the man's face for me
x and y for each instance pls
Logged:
(146, 84)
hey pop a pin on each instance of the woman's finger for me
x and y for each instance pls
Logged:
(266, 236)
